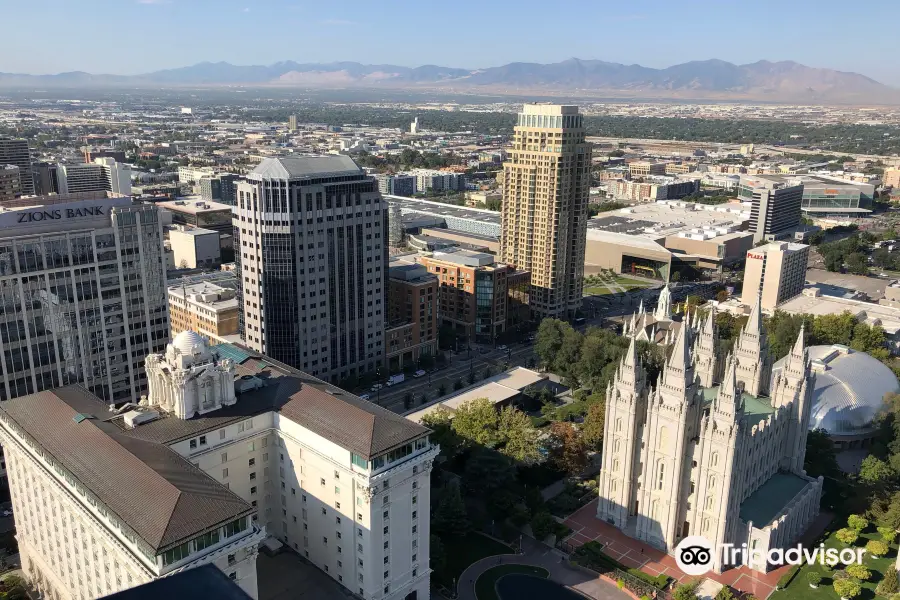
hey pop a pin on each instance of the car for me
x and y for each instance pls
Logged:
(502, 347)
(376, 387)
(419, 373)
(365, 397)
(7, 513)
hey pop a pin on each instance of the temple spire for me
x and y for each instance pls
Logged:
(631, 359)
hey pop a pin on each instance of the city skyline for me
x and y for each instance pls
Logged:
(600, 32)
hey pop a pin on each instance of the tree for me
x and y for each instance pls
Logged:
(847, 588)
(875, 471)
(594, 424)
(437, 554)
(518, 436)
(686, 591)
(442, 389)
(858, 264)
(487, 472)
(820, 456)
(877, 548)
(813, 578)
(725, 594)
(407, 400)
(847, 536)
(888, 534)
(458, 385)
(889, 584)
(450, 518)
(567, 448)
(858, 571)
(857, 523)
(440, 423)
(476, 422)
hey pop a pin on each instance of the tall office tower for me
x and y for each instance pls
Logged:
(115, 176)
(102, 175)
(83, 291)
(775, 205)
(546, 183)
(15, 152)
(44, 178)
(292, 123)
(10, 184)
(311, 253)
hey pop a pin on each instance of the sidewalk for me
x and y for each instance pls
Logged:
(537, 554)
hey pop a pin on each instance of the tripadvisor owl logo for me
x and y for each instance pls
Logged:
(694, 555)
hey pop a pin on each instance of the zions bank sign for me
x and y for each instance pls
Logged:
(60, 213)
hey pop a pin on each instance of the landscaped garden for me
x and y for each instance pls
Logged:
(610, 282)
(485, 585)
(460, 552)
(876, 576)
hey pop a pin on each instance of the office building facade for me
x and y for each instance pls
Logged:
(206, 304)
(892, 177)
(310, 241)
(396, 185)
(774, 273)
(15, 152)
(222, 189)
(775, 205)
(82, 280)
(104, 174)
(546, 187)
(10, 183)
(412, 323)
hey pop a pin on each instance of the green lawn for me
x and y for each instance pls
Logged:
(606, 285)
(799, 588)
(484, 586)
(462, 552)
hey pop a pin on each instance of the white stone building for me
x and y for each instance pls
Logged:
(339, 480)
(700, 453)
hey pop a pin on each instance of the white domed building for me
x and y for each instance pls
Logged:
(849, 392)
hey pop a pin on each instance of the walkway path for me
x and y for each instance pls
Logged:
(537, 554)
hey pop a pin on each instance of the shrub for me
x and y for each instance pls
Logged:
(686, 591)
(888, 534)
(847, 535)
(847, 588)
(725, 594)
(859, 572)
(877, 548)
(889, 585)
(857, 522)
(620, 583)
(814, 578)
(590, 555)
(542, 525)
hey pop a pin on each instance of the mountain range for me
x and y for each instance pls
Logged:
(713, 79)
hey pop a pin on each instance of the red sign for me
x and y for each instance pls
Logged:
(756, 256)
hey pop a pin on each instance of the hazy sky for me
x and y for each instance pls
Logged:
(138, 36)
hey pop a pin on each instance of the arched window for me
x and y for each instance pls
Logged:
(618, 424)
(660, 475)
(613, 486)
(705, 524)
(709, 502)
(711, 483)
(616, 465)
(616, 446)
(654, 509)
(714, 459)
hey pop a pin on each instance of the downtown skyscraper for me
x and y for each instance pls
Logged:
(310, 239)
(546, 184)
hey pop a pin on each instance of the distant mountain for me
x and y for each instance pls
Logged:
(762, 80)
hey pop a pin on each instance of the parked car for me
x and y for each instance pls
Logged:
(419, 373)
(365, 396)
(376, 387)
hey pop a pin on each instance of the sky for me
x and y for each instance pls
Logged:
(139, 36)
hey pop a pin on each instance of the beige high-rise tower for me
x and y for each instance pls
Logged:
(546, 183)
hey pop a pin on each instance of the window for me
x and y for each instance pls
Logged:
(386, 560)
(251, 462)
(415, 514)
(232, 576)
(207, 540)
(415, 529)
(415, 572)
(253, 490)
(337, 475)
(386, 545)
(202, 440)
(322, 481)
(177, 553)
(386, 528)
(224, 457)
(324, 511)
(337, 505)
(253, 475)
(193, 444)
(337, 520)
(325, 540)
(660, 476)
(224, 473)
(415, 499)
(231, 559)
(385, 515)
(337, 490)
(221, 434)
(359, 461)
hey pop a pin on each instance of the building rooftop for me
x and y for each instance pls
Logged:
(672, 217)
(148, 486)
(298, 167)
(192, 231)
(849, 390)
(193, 207)
(445, 210)
(468, 258)
(185, 584)
(813, 303)
(766, 503)
(755, 409)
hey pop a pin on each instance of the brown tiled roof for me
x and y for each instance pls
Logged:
(163, 497)
(350, 422)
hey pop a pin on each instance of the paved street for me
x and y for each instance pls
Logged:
(537, 554)
(392, 398)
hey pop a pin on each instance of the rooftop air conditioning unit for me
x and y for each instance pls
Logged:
(134, 418)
